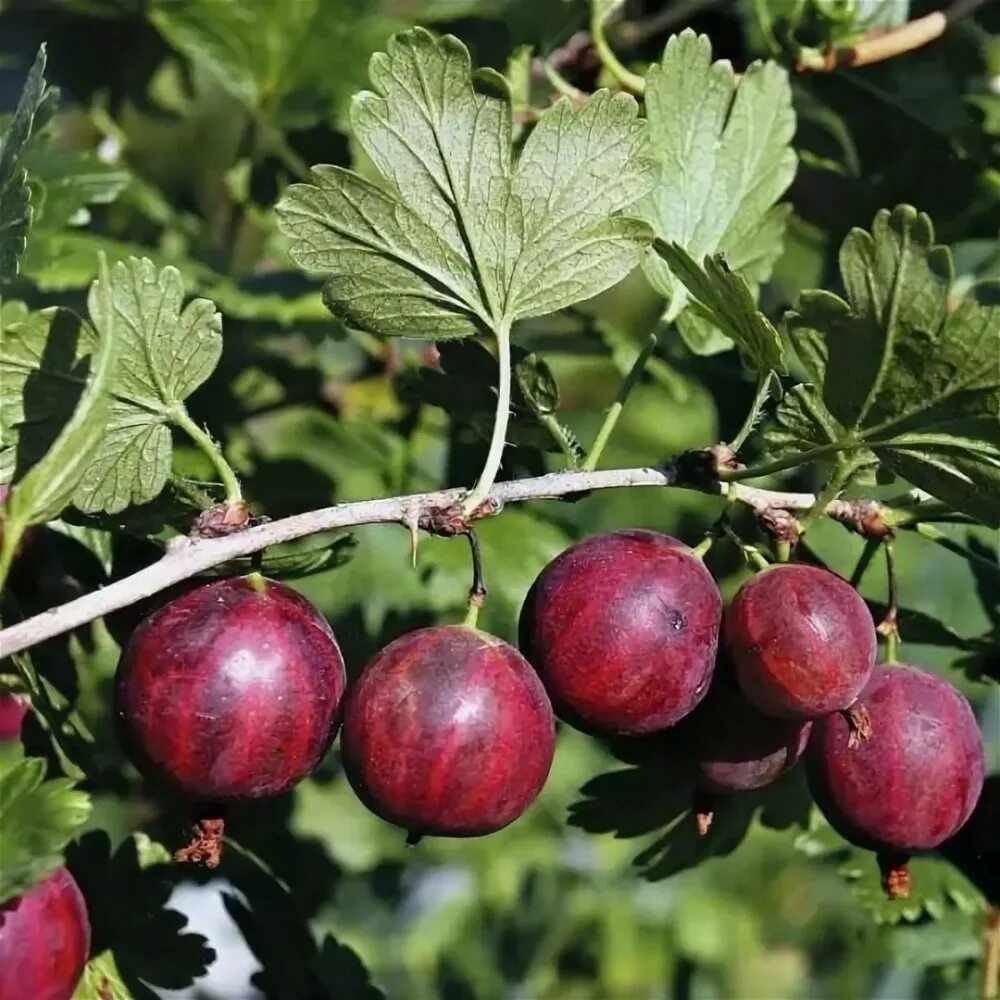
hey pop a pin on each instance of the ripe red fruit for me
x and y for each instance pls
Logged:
(623, 630)
(732, 747)
(44, 940)
(736, 747)
(12, 711)
(802, 641)
(231, 691)
(910, 787)
(448, 732)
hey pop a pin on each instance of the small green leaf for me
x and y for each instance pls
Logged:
(725, 157)
(38, 818)
(726, 301)
(459, 238)
(15, 196)
(164, 353)
(893, 374)
(538, 384)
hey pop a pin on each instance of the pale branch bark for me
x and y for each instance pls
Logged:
(186, 558)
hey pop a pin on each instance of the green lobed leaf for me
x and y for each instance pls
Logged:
(59, 478)
(893, 373)
(38, 818)
(726, 300)
(461, 238)
(723, 144)
(165, 350)
(15, 196)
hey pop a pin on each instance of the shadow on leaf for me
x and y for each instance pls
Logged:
(127, 895)
(654, 798)
(277, 931)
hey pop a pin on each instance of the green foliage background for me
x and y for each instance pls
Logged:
(181, 122)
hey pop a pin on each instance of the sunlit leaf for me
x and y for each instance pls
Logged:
(460, 237)
(164, 351)
(723, 144)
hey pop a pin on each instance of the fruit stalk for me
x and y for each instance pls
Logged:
(889, 626)
(477, 592)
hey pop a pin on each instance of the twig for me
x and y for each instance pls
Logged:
(187, 558)
(882, 45)
(624, 390)
(629, 80)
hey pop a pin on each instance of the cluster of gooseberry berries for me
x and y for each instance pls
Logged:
(236, 689)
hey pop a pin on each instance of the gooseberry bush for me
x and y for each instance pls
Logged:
(471, 474)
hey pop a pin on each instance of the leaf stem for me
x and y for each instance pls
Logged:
(492, 466)
(560, 84)
(781, 464)
(841, 473)
(932, 534)
(613, 414)
(926, 510)
(212, 452)
(562, 437)
(761, 396)
(628, 79)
